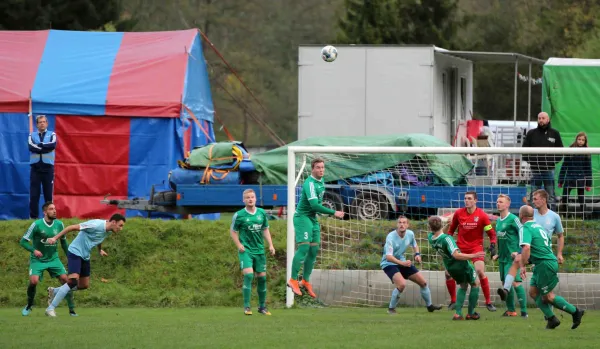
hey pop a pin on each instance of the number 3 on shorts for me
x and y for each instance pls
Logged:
(305, 235)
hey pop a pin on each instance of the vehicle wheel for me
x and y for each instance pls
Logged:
(333, 201)
(370, 206)
(167, 198)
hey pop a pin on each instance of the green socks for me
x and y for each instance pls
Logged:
(563, 305)
(545, 308)
(522, 297)
(262, 290)
(30, 295)
(309, 263)
(247, 289)
(70, 301)
(299, 259)
(473, 297)
(461, 294)
(510, 300)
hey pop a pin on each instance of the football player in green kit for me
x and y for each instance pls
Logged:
(307, 228)
(249, 226)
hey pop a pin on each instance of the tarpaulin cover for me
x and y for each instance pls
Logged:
(450, 168)
(115, 102)
(570, 91)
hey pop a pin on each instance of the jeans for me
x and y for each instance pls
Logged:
(545, 178)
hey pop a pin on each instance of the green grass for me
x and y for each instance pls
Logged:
(290, 328)
(191, 263)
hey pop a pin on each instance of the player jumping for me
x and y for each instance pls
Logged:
(472, 222)
(44, 256)
(306, 226)
(398, 269)
(536, 250)
(459, 266)
(507, 229)
(91, 234)
(248, 228)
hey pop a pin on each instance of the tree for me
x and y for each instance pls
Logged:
(433, 22)
(58, 14)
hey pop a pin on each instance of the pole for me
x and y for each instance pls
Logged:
(291, 208)
(529, 99)
(514, 157)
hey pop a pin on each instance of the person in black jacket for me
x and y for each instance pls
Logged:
(542, 166)
(576, 172)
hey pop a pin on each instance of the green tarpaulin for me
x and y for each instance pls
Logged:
(450, 169)
(571, 96)
(213, 154)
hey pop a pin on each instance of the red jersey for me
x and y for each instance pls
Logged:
(471, 228)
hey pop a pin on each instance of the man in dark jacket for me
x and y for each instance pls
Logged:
(542, 166)
(41, 158)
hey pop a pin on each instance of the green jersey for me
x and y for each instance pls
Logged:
(38, 232)
(507, 230)
(311, 198)
(445, 247)
(537, 238)
(250, 227)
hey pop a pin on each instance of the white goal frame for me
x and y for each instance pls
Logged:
(293, 151)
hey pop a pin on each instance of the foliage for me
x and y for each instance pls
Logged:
(57, 14)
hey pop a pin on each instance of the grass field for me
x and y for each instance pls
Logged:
(290, 328)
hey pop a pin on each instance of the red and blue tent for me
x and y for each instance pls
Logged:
(125, 107)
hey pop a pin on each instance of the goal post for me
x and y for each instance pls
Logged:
(374, 185)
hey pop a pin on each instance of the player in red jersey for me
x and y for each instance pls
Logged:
(472, 222)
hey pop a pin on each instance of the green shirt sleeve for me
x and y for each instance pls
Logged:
(26, 245)
(313, 199)
(27, 237)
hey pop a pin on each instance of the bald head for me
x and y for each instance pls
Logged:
(526, 213)
(543, 119)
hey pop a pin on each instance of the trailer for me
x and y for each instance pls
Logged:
(362, 202)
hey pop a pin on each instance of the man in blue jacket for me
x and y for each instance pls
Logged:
(42, 144)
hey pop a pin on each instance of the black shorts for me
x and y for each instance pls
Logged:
(406, 272)
(78, 265)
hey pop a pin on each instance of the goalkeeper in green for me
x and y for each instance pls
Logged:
(249, 227)
(306, 227)
(537, 250)
(458, 265)
(44, 255)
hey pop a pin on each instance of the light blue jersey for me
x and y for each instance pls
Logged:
(550, 222)
(396, 246)
(92, 234)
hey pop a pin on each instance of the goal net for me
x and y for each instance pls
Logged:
(375, 185)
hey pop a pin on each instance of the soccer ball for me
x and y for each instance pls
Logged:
(329, 53)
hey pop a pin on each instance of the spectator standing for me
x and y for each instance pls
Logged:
(576, 172)
(42, 144)
(543, 165)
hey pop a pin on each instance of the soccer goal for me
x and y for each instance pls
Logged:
(375, 185)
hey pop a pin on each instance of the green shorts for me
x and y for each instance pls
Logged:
(55, 268)
(545, 276)
(307, 229)
(258, 262)
(464, 274)
(504, 268)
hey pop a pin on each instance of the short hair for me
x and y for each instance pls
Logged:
(37, 118)
(402, 217)
(435, 223)
(472, 193)
(46, 205)
(542, 193)
(316, 161)
(117, 217)
(504, 196)
(248, 191)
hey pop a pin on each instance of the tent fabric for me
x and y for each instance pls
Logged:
(450, 168)
(118, 103)
(104, 74)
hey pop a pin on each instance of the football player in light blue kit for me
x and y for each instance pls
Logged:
(91, 234)
(398, 269)
(549, 220)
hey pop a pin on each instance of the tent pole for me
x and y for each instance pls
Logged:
(529, 99)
